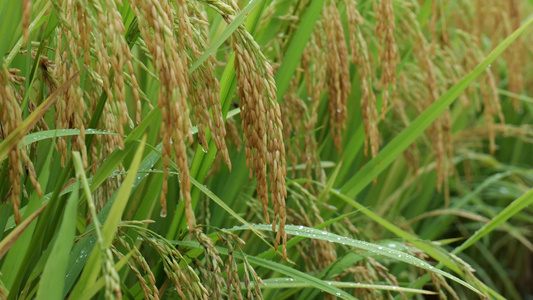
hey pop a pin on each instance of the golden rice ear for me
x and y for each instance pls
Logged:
(388, 53)
(26, 19)
(440, 131)
(493, 108)
(178, 271)
(11, 118)
(515, 53)
(261, 121)
(170, 61)
(314, 65)
(204, 90)
(211, 272)
(70, 106)
(100, 21)
(361, 57)
(339, 84)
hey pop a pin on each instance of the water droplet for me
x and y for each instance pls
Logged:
(301, 227)
(203, 149)
(380, 248)
(163, 213)
(399, 255)
(338, 111)
(392, 245)
(309, 98)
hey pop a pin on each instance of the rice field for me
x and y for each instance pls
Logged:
(266, 149)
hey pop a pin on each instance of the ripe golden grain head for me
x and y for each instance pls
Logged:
(150, 290)
(10, 115)
(26, 19)
(388, 54)
(261, 120)
(360, 55)
(205, 90)
(313, 63)
(339, 84)
(155, 19)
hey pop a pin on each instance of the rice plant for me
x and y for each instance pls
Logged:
(266, 149)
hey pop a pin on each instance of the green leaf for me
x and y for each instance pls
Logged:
(222, 204)
(11, 15)
(12, 237)
(100, 283)
(110, 226)
(511, 210)
(427, 248)
(290, 283)
(50, 134)
(53, 278)
(313, 233)
(38, 21)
